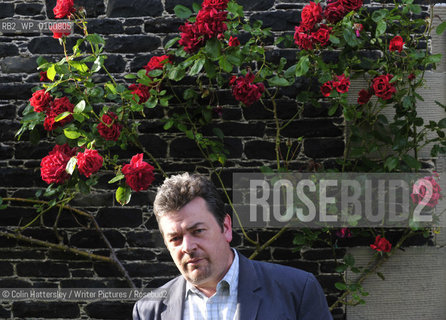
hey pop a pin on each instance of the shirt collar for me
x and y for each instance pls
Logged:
(230, 278)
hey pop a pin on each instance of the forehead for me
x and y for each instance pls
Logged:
(196, 211)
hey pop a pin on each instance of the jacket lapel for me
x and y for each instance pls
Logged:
(248, 300)
(174, 301)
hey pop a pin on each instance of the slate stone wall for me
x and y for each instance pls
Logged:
(135, 30)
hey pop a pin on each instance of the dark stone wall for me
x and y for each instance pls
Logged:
(135, 30)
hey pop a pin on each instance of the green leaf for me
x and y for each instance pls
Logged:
(117, 178)
(196, 7)
(71, 165)
(349, 259)
(411, 161)
(442, 123)
(333, 39)
(155, 73)
(381, 275)
(340, 286)
(210, 69)
(225, 64)
(51, 72)
(434, 58)
(198, 65)
(182, 12)
(62, 116)
(302, 66)
(80, 107)
(168, 124)
(391, 163)
(111, 87)
(277, 81)
(441, 27)
(381, 28)
(171, 42)
(130, 76)
(71, 134)
(350, 37)
(218, 133)
(123, 195)
(213, 48)
(176, 73)
(81, 67)
(94, 38)
(97, 64)
(151, 103)
(378, 15)
(341, 268)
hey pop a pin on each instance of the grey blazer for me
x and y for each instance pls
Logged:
(266, 291)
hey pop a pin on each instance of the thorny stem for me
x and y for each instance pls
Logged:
(113, 259)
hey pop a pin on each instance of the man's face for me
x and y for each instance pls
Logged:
(198, 246)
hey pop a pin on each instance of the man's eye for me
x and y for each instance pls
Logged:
(175, 239)
(198, 231)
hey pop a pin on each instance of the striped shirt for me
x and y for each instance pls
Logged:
(221, 306)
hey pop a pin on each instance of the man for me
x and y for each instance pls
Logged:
(217, 282)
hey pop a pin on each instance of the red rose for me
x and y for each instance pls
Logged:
(141, 91)
(326, 88)
(427, 188)
(63, 8)
(60, 29)
(210, 22)
(411, 77)
(396, 44)
(57, 107)
(215, 4)
(382, 86)
(302, 39)
(244, 90)
(40, 100)
(233, 41)
(364, 96)
(138, 174)
(43, 76)
(322, 35)
(342, 84)
(334, 12)
(157, 62)
(344, 233)
(109, 127)
(89, 162)
(350, 5)
(358, 28)
(191, 39)
(311, 14)
(381, 244)
(52, 167)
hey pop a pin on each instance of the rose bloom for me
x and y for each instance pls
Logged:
(326, 88)
(89, 162)
(334, 12)
(40, 100)
(350, 5)
(215, 4)
(43, 76)
(157, 62)
(141, 91)
(52, 167)
(311, 14)
(211, 22)
(57, 107)
(364, 96)
(191, 39)
(358, 28)
(411, 77)
(322, 35)
(244, 90)
(63, 8)
(342, 84)
(427, 188)
(233, 41)
(138, 174)
(344, 233)
(109, 127)
(396, 44)
(382, 87)
(302, 39)
(381, 244)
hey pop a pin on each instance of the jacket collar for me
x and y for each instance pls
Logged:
(248, 299)
(174, 302)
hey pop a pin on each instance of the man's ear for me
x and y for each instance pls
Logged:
(227, 228)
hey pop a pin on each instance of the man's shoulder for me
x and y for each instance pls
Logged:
(281, 274)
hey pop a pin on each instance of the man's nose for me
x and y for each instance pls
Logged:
(189, 244)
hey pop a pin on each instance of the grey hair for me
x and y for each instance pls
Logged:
(179, 190)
